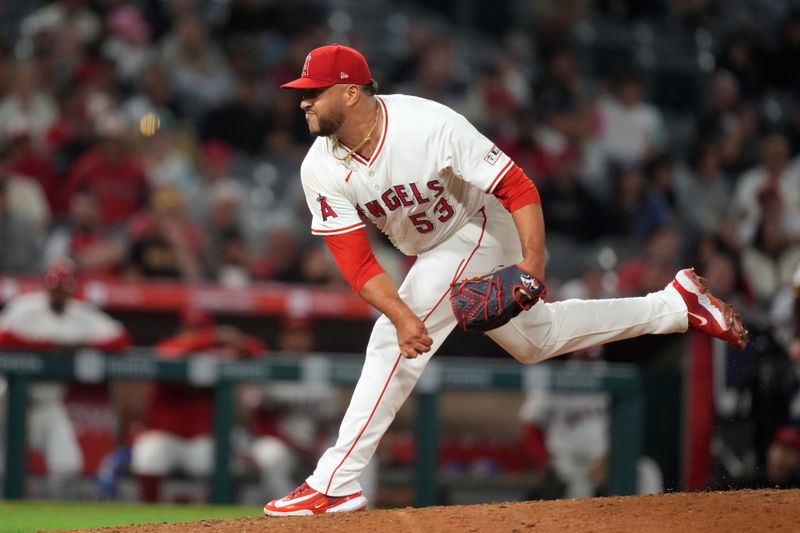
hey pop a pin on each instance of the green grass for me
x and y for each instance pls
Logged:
(19, 517)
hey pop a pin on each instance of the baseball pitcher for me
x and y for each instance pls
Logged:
(446, 194)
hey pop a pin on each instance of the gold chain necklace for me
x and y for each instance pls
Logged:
(350, 151)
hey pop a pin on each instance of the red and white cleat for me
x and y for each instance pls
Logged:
(707, 313)
(305, 501)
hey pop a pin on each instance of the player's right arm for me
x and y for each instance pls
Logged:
(412, 335)
(335, 218)
(357, 263)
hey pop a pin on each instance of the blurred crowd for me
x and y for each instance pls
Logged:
(149, 140)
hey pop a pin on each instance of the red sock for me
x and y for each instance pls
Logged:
(149, 487)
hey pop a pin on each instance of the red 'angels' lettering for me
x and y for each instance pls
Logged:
(407, 195)
(326, 210)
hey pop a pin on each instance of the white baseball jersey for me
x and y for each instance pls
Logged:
(447, 169)
(29, 316)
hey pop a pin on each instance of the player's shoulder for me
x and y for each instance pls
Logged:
(426, 118)
(27, 300)
(317, 159)
(405, 105)
(319, 169)
(29, 303)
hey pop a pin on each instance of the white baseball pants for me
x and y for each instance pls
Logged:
(158, 453)
(547, 330)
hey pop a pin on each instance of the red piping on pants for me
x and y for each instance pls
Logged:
(459, 270)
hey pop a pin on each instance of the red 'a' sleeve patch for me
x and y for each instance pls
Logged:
(325, 208)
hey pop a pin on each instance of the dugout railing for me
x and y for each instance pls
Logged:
(621, 382)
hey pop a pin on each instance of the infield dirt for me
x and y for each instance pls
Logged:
(739, 511)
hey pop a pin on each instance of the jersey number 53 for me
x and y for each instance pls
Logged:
(441, 211)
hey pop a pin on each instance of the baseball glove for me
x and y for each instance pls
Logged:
(488, 302)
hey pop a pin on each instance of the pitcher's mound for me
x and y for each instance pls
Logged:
(740, 511)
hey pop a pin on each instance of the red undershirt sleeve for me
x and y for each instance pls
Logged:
(354, 257)
(516, 190)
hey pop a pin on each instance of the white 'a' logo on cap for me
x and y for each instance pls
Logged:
(343, 75)
(304, 73)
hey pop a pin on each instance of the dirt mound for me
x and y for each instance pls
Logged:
(740, 511)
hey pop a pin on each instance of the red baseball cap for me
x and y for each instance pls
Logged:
(330, 65)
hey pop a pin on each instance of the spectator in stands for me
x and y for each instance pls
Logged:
(741, 56)
(279, 260)
(660, 173)
(592, 282)
(570, 205)
(20, 240)
(52, 320)
(128, 44)
(200, 72)
(112, 171)
(27, 105)
(164, 242)
(633, 209)
(645, 271)
(68, 26)
(233, 267)
(498, 93)
(630, 130)
(556, 137)
(703, 191)
(178, 423)
(154, 94)
(222, 221)
(217, 180)
(770, 260)
(96, 250)
(26, 198)
(165, 159)
(437, 76)
(68, 138)
(783, 459)
(241, 122)
(730, 122)
(776, 181)
(562, 81)
(25, 161)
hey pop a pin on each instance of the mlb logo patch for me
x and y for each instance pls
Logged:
(493, 155)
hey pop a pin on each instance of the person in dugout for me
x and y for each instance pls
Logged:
(54, 321)
(177, 433)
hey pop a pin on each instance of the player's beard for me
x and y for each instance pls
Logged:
(329, 124)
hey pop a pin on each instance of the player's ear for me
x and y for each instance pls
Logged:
(352, 94)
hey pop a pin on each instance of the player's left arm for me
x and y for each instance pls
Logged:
(477, 161)
(519, 196)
